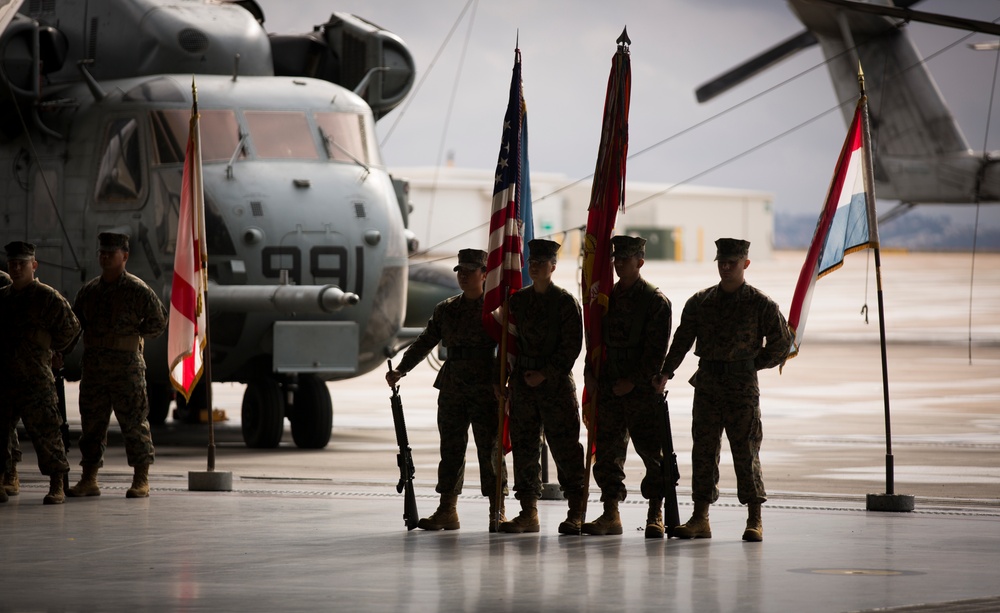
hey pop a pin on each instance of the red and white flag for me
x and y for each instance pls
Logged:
(186, 338)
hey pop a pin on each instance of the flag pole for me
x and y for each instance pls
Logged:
(207, 353)
(210, 480)
(501, 406)
(607, 197)
(889, 501)
(208, 389)
(504, 251)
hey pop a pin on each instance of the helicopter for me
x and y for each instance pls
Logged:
(306, 229)
(921, 154)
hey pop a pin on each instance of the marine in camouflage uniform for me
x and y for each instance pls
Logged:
(739, 331)
(35, 320)
(543, 393)
(11, 483)
(116, 310)
(466, 390)
(636, 330)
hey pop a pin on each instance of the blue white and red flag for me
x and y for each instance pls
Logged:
(843, 226)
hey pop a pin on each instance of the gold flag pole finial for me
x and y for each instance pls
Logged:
(861, 79)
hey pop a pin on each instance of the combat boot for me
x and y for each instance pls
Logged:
(140, 483)
(574, 517)
(3, 495)
(526, 521)
(496, 513)
(755, 527)
(87, 485)
(446, 516)
(697, 527)
(654, 519)
(11, 482)
(56, 494)
(608, 523)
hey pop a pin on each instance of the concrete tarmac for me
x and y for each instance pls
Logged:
(323, 530)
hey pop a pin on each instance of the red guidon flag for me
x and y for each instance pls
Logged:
(607, 197)
(186, 338)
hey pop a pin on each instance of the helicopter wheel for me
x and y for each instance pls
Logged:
(263, 413)
(312, 415)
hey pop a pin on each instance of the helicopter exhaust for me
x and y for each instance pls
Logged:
(303, 299)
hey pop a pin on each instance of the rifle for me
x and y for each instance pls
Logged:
(404, 459)
(64, 427)
(671, 474)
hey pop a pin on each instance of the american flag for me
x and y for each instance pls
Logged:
(505, 259)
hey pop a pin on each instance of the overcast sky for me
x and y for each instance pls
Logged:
(677, 45)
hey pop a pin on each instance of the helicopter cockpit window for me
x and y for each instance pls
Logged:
(220, 135)
(348, 137)
(119, 176)
(281, 135)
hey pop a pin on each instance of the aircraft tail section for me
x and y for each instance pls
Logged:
(909, 114)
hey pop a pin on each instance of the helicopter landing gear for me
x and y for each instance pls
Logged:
(311, 413)
(263, 414)
(304, 399)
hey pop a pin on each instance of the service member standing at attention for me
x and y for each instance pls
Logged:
(739, 331)
(542, 391)
(466, 390)
(636, 332)
(116, 310)
(35, 320)
(11, 483)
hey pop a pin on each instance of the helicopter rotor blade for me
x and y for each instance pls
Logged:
(901, 11)
(754, 65)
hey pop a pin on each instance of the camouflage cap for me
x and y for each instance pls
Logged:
(112, 241)
(541, 249)
(471, 259)
(20, 250)
(731, 248)
(628, 246)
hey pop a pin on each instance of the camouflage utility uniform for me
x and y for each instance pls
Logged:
(466, 391)
(549, 339)
(730, 329)
(636, 332)
(10, 474)
(34, 322)
(115, 316)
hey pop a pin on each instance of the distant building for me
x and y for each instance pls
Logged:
(451, 210)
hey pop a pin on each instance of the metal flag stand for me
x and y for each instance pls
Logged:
(209, 480)
(889, 500)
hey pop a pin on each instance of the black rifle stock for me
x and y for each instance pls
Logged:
(671, 474)
(404, 459)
